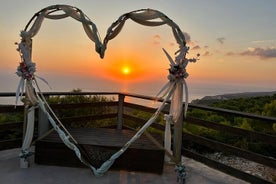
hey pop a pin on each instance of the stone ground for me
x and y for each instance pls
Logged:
(10, 172)
(248, 166)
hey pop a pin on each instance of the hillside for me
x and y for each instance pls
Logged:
(212, 99)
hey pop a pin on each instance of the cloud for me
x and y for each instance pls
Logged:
(263, 41)
(197, 47)
(156, 39)
(157, 36)
(230, 54)
(260, 52)
(172, 44)
(221, 40)
(207, 53)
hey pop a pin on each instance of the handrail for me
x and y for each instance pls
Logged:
(233, 112)
(12, 94)
(266, 138)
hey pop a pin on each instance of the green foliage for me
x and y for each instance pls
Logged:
(198, 113)
(274, 178)
(201, 131)
(270, 109)
(3, 117)
(242, 143)
(245, 125)
(274, 127)
(10, 117)
(81, 111)
(255, 105)
(71, 99)
(216, 118)
(258, 105)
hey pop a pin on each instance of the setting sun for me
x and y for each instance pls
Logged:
(125, 70)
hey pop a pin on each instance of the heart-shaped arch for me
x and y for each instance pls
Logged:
(172, 90)
(143, 16)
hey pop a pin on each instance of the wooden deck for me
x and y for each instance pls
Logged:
(100, 144)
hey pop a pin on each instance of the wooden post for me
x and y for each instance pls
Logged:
(120, 111)
(177, 139)
(25, 122)
(43, 122)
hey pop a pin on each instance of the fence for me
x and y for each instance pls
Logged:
(121, 116)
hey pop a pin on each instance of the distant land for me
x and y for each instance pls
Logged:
(211, 99)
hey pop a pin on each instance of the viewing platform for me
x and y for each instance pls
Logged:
(48, 164)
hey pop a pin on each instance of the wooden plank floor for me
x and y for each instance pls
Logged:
(104, 137)
(99, 144)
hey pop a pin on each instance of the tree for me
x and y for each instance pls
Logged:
(270, 109)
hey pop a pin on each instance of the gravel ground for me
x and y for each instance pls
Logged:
(248, 166)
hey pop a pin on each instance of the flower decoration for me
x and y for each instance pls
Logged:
(26, 70)
(181, 171)
(177, 72)
(25, 154)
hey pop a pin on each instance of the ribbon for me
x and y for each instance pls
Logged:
(172, 90)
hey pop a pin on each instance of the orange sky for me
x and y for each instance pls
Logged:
(233, 50)
(144, 58)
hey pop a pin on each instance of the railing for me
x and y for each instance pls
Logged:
(229, 149)
(122, 115)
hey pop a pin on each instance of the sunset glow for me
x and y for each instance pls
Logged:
(126, 70)
(120, 71)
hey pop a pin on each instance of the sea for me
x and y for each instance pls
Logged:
(196, 90)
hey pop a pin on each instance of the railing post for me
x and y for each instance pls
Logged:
(120, 111)
(177, 139)
(43, 122)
